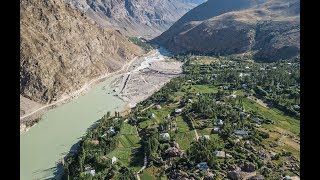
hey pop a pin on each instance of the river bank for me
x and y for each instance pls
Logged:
(45, 144)
(30, 119)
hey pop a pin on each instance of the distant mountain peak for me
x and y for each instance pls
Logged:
(269, 29)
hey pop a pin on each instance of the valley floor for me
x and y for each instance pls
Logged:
(210, 115)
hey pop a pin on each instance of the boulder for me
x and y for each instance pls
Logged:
(233, 175)
(249, 167)
(209, 176)
(175, 144)
(173, 151)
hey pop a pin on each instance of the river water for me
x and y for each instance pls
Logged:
(45, 144)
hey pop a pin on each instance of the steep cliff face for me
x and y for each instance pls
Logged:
(136, 17)
(61, 49)
(269, 30)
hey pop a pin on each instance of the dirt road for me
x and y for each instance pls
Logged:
(84, 87)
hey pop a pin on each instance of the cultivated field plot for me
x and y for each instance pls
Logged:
(200, 88)
(128, 145)
(205, 60)
(284, 132)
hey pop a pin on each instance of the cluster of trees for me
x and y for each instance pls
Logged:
(93, 147)
(144, 45)
(276, 82)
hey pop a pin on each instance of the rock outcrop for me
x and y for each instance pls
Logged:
(61, 49)
(268, 30)
(147, 18)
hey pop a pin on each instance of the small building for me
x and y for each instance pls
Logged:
(152, 116)
(190, 100)
(90, 170)
(262, 69)
(203, 166)
(245, 87)
(296, 107)
(241, 132)
(165, 136)
(219, 123)
(198, 94)
(206, 136)
(178, 110)
(228, 155)
(274, 67)
(221, 154)
(111, 130)
(157, 106)
(215, 130)
(113, 159)
(257, 125)
(233, 95)
(247, 67)
(236, 141)
(258, 120)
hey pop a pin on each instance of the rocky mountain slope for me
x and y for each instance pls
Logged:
(268, 30)
(61, 49)
(146, 18)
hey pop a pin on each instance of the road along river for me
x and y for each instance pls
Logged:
(46, 143)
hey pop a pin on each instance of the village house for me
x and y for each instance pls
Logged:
(206, 136)
(113, 160)
(178, 110)
(111, 130)
(220, 154)
(152, 116)
(296, 107)
(203, 166)
(165, 136)
(241, 132)
(89, 170)
(215, 130)
(218, 123)
(233, 95)
(258, 120)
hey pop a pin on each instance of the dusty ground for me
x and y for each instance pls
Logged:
(27, 105)
(259, 101)
(136, 86)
